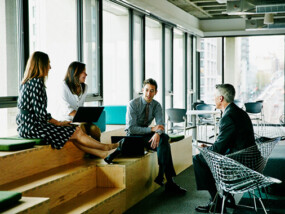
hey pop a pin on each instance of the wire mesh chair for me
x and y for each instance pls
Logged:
(256, 157)
(269, 130)
(233, 177)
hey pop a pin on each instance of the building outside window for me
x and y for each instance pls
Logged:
(153, 56)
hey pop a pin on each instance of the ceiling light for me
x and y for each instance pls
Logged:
(268, 18)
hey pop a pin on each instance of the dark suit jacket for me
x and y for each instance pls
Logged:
(236, 131)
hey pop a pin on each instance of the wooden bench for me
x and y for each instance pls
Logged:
(76, 184)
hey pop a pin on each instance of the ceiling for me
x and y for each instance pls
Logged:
(252, 11)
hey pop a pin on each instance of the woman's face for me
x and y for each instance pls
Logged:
(82, 76)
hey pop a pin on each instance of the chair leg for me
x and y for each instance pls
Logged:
(214, 203)
(262, 206)
(254, 202)
(223, 204)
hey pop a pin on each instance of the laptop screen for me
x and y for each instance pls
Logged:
(87, 114)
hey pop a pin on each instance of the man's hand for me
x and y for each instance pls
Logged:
(157, 127)
(154, 141)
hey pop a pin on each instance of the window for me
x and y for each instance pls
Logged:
(90, 45)
(9, 61)
(137, 55)
(178, 70)
(168, 69)
(115, 54)
(257, 72)
(153, 56)
(56, 36)
(189, 73)
(210, 68)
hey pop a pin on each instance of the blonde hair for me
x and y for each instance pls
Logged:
(37, 66)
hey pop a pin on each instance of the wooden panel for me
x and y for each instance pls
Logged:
(29, 162)
(182, 154)
(140, 177)
(99, 200)
(106, 136)
(111, 176)
(66, 188)
(29, 205)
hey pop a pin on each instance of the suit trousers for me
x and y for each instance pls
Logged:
(163, 155)
(203, 174)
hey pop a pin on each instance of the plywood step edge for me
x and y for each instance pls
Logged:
(103, 199)
(31, 205)
(50, 176)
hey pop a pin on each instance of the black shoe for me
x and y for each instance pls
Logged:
(207, 208)
(174, 188)
(159, 181)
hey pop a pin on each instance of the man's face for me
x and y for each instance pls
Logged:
(149, 92)
(218, 100)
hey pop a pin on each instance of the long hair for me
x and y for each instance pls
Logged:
(37, 66)
(72, 76)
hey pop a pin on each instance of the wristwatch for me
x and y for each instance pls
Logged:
(158, 131)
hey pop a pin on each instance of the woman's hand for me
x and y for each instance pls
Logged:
(59, 123)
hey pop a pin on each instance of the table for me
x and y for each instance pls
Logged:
(195, 113)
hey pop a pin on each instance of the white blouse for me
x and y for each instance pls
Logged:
(68, 102)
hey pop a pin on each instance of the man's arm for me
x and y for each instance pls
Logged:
(131, 121)
(227, 129)
(159, 120)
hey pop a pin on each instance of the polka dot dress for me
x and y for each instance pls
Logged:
(32, 119)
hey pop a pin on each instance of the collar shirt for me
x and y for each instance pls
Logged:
(68, 102)
(135, 118)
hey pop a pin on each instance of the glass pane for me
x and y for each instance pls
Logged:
(178, 70)
(9, 61)
(55, 35)
(189, 73)
(9, 48)
(115, 54)
(137, 56)
(168, 69)
(210, 68)
(90, 45)
(8, 126)
(153, 56)
(258, 72)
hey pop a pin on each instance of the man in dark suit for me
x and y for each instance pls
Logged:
(235, 133)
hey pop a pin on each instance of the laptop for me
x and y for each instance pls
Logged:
(87, 114)
(132, 145)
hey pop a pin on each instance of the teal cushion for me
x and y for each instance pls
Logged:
(8, 198)
(17, 143)
(115, 114)
(101, 123)
(174, 137)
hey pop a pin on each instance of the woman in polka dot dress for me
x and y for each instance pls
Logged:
(34, 121)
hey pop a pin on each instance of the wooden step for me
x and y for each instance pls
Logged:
(21, 164)
(98, 200)
(66, 182)
(29, 205)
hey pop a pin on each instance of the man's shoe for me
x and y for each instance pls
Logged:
(159, 181)
(207, 208)
(174, 188)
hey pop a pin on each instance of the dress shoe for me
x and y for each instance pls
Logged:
(172, 187)
(159, 181)
(207, 208)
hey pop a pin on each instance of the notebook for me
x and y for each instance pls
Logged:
(132, 145)
(87, 114)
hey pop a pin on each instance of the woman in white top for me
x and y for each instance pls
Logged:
(72, 95)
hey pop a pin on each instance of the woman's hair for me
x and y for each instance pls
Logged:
(37, 66)
(72, 76)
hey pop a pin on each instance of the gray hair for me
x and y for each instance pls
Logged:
(227, 91)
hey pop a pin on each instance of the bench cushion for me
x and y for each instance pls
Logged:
(115, 115)
(8, 198)
(175, 137)
(17, 143)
